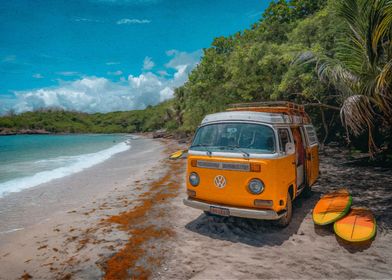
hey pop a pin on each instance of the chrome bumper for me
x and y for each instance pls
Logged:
(237, 212)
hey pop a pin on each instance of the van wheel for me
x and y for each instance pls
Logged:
(284, 221)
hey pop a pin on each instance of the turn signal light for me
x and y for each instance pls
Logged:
(263, 203)
(255, 167)
(194, 163)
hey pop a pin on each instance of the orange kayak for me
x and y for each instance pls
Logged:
(331, 207)
(359, 225)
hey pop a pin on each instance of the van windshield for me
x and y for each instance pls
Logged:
(236, 137)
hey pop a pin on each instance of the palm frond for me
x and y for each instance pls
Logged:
(357, 113)
(362, 67)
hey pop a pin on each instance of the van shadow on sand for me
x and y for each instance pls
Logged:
(252, 232)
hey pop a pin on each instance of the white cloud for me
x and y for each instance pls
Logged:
(166, 93)
(112, 63)
(163, 73)
(38, 76)
(98, 94)
(68, 73)
(115, 73)
(148, 64)
(182, 58)
(133, 21)
(78, 19)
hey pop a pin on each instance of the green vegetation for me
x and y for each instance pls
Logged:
(59, 121)
(335, 57)
(361, 70)
(259, 64)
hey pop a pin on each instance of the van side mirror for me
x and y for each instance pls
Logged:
(290, 148)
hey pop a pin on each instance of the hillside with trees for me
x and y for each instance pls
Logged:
(335, 57)
(55, 120)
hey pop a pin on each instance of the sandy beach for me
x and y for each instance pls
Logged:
(59, 229)
(233, 248)
(124, 218)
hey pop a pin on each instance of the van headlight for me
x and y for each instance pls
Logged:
(194, 179)
(255, 186)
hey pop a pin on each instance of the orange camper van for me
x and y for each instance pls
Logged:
(252, 160)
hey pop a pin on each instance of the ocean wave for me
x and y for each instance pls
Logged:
(11, 230)
(77, 164)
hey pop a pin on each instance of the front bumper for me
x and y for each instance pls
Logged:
(259, 214)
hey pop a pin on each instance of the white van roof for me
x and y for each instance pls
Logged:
(262, 117)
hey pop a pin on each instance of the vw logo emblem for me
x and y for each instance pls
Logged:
(220, 181)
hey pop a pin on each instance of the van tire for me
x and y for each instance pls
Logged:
(285, 220)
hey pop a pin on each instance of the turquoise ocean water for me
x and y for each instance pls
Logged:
(30, 160)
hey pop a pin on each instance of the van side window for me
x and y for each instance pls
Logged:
(284, 138)
(311, 133)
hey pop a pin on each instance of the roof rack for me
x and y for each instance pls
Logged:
(295, 111)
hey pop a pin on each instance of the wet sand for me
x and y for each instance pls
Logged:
(60, 229)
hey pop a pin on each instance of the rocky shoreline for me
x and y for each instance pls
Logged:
(6, 131)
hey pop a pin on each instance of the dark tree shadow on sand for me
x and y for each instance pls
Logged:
(252, 232)
(369, 185)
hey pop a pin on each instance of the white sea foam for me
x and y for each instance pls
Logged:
(75, 164)
(11, 230)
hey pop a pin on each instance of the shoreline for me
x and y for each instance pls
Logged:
(65, 213)
(67, 184)
(82, 162)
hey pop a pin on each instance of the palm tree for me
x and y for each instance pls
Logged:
(362, 67)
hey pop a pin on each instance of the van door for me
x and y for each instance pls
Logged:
(312, 158)
(287, 162)
(300, 156)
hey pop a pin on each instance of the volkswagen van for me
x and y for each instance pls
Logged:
(252, 161)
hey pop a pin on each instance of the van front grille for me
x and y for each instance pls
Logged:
(223, 165)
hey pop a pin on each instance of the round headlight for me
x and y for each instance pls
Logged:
(194, 179)
(256, 186)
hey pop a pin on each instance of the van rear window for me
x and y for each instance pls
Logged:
(235, 137)
(311, 133)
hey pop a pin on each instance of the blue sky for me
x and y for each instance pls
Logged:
(107, 55)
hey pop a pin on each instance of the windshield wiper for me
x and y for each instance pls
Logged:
(232, 147)
(204, 146)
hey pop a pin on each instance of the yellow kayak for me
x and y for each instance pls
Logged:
(359, 225)
(177, 154)
(331, 207)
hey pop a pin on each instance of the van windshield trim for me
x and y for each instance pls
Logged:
(246, 138)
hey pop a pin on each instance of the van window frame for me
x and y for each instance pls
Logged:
(314, 141)
(281, 149)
